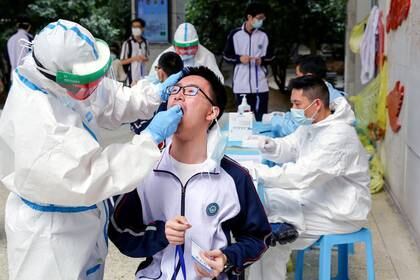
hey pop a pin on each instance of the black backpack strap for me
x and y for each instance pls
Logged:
(127, 67)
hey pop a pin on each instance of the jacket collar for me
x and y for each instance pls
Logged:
(165, 164)
(255, 30)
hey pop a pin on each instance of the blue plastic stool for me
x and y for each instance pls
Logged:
(343, 241)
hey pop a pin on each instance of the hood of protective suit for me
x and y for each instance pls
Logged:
(341, 112)
(185, 35)
(62, 44)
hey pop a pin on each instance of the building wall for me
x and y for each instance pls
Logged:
(400, 152)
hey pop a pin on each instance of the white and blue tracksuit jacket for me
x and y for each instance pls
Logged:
(217, 202)
(248, 78)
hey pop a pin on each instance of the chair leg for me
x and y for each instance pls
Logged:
(351, 249)
(370, 265)
(299, 265)
(325, 261)
(343, 262)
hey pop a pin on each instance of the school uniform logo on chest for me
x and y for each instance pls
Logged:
(260, 46)
(212, 209)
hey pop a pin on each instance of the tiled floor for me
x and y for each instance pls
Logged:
(395, 252)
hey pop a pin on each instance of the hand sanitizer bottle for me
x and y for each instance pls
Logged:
(244, 106)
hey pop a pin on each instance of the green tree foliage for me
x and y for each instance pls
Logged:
(106, 19)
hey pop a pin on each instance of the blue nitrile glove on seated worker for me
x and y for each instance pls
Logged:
(165, 123)
(283, 125)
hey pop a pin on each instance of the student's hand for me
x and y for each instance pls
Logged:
(258, 60)
(245, 59)
(175, 230)
(140, 58)
(215, 259)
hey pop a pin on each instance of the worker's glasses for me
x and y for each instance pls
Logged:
(188, 90)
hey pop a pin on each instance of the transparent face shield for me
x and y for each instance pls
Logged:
(80, 91)
(85, 78)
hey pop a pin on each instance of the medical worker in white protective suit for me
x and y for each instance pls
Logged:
(52, 160)
(322, 186)
(192, 53)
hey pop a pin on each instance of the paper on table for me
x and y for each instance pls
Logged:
(240, 126)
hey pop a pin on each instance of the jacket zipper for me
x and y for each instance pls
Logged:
(249, 65)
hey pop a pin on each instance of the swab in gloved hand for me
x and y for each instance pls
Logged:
(165, 123)
(267, 145)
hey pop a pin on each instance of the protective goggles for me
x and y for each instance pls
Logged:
(186, 50)
(82, 91)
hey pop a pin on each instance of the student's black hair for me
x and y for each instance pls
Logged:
(313, 88)
(23, 22)
(140, 20)
(312, 64)
(255, 8)
(170, 62)
(218, 92)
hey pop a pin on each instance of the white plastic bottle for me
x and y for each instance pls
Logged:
(244, 106)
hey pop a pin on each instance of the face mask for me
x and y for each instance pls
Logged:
(136, 31)
(187, 57)
(216, 144)
(257, 23)
(298, 115)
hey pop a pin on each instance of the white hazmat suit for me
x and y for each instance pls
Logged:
(54, 165)
(324, 179)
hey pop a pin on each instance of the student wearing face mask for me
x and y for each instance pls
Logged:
(187, 45)
(248, 49)
(135, 52)
(324, 175)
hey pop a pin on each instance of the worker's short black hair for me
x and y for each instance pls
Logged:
(255, 8)
(218, 92)
(170, 62)
(313, 65)
(140, 20)
(313, 88)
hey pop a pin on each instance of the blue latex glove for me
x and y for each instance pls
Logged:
(170, 81)
(283, 125)
(165, 123)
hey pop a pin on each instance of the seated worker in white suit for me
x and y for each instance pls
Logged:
(324, 176)
(187, 45)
